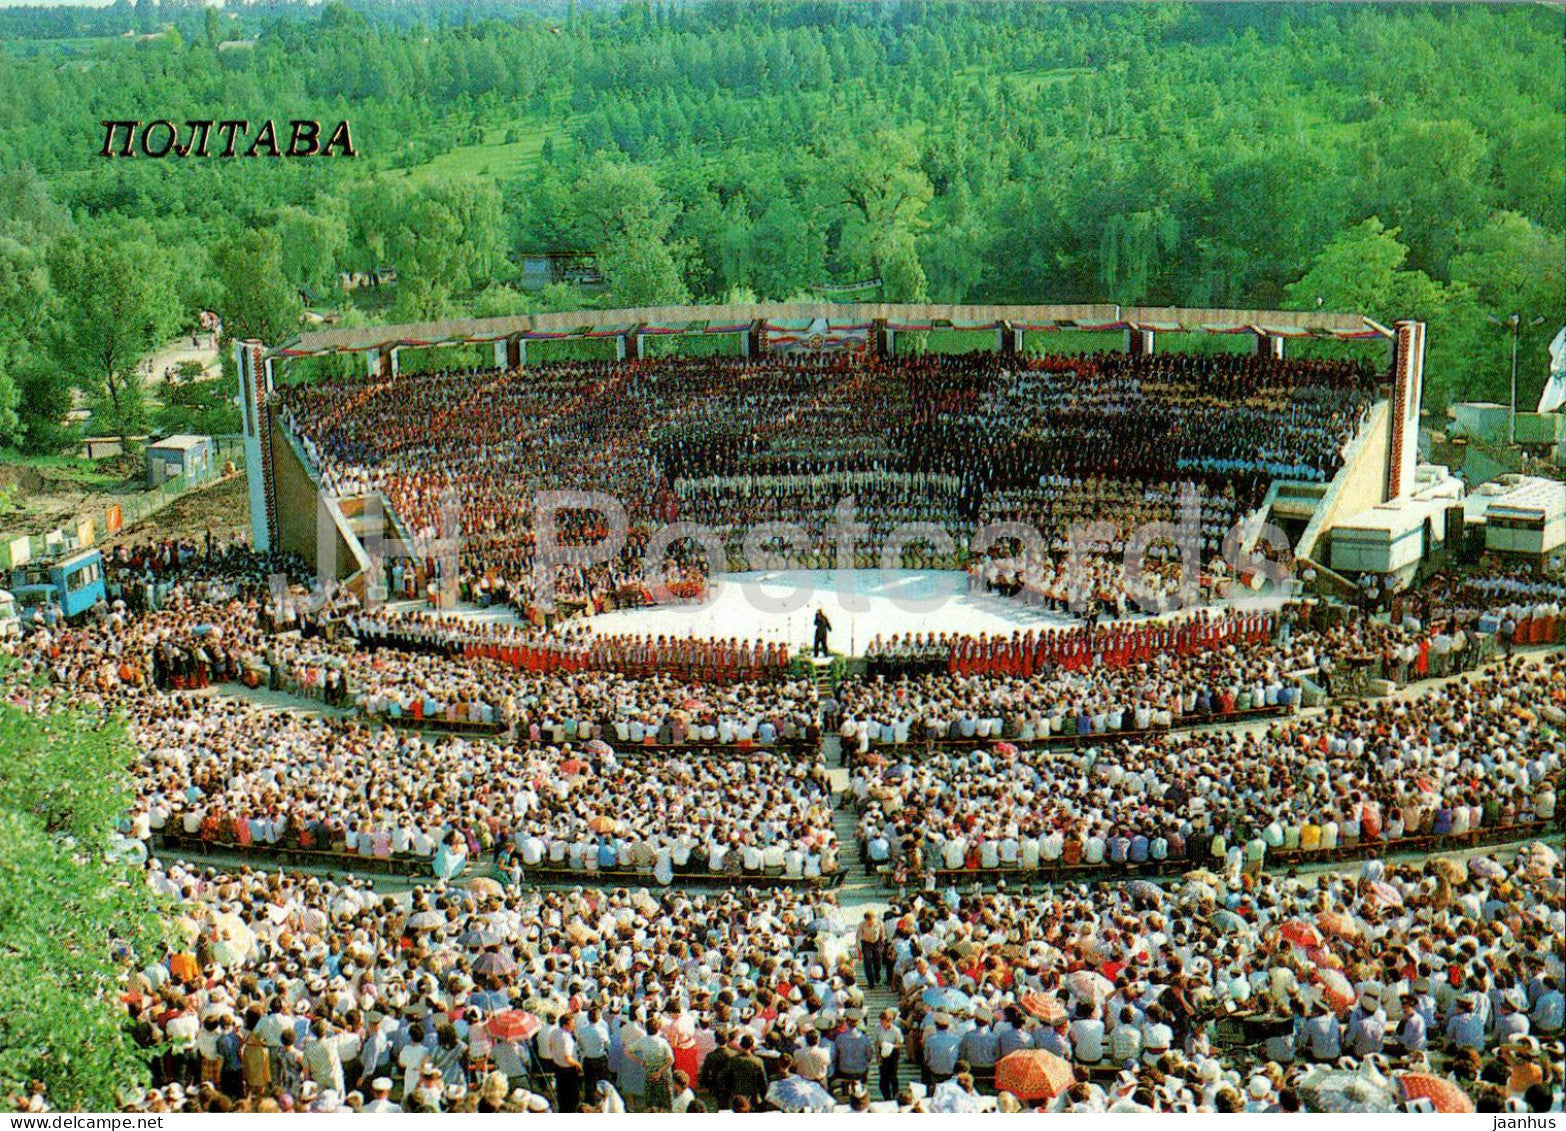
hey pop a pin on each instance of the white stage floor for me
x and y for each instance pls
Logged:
(861, 604)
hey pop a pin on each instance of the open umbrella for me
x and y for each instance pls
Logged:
(1046, 1007)
(1444, 1095)
(1385, 894)
(1227, 921)
(1338, 924)
(1301, 933)
(1145, 891)
(572, 766)
(795, 1093)
(1033, 1074)
(602, 824)
(494, 962)
(944, 997)
(1336, 990)
(480, 936)
(483, 885)
(426, 920)
(1005, 749)
(1089, 985)
(1539, 859)
(1335, 1091)
(598, 748)
(512, 1025)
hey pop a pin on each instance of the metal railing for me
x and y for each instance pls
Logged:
(139, 508)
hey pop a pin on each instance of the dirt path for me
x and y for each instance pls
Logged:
(170, 355)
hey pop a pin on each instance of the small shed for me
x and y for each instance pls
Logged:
(178, 455)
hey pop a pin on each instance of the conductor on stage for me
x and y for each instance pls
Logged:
(823, 626)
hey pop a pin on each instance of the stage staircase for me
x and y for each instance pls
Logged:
(860, 885)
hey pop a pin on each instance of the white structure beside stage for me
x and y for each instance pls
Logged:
(1392, 538)
(1525, 517)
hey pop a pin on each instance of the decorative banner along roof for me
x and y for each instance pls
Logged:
(736, 318)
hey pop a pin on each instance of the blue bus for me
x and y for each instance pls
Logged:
(74, 582)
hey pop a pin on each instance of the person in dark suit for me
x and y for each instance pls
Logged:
(823, 626)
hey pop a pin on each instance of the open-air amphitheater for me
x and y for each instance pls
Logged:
(807, 371)
(848, 725)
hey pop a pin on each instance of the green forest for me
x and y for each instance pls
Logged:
(1398, 160)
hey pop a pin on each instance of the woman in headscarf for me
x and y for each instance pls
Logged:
(610, 1101)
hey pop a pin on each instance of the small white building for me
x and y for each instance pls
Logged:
(1525, 516)
(178, 455)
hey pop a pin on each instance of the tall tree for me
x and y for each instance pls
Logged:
(1517, 267)
(884, 194)
(1362, 270)
(312, 244)
(24, 310)
(116, 304)
(257, 302)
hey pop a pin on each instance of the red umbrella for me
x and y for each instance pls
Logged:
(1338, 924)
(1322, 957)
(1444, 1095)
(1046, 1007)
(1337, 990)
(1033, 1074)
(572, 766)
(512, 1025)
(1301, 933)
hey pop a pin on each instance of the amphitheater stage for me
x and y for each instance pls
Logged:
(861, 604)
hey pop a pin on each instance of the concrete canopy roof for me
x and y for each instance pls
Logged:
(735, 317)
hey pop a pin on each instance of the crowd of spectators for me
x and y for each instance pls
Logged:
(1472, 756)
(1356, 990)
(225, 773)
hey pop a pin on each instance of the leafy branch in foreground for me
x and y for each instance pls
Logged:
(69, 912)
